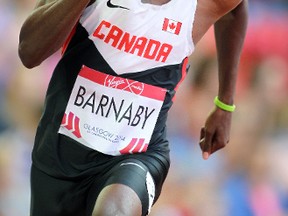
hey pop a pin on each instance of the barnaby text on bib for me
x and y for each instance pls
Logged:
(112, 115)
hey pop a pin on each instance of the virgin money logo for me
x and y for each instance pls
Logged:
(124, 84)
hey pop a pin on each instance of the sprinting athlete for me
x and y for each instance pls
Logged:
(101, 147)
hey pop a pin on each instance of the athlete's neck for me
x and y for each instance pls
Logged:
(155, 2)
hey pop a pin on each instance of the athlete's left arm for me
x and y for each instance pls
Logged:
(230, 31)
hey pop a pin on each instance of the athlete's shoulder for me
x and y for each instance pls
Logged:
(208, 12)
(44, 2)
(225, 5)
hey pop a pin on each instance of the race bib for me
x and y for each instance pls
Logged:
(112, 115)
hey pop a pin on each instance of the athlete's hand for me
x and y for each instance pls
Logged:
(215, 135)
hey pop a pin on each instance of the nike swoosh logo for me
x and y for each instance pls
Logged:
(111, 5)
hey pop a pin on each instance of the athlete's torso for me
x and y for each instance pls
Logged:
(143, 42)
(133, 36)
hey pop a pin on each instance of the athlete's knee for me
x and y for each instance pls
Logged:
(108, 210)
(117, 200)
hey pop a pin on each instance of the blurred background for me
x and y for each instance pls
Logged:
(247, 178)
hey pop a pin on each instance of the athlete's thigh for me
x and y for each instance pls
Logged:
(52, 196)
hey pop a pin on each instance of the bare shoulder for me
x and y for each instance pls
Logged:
(217, 7)
(208, 12)
(224, 6)
(43, 2)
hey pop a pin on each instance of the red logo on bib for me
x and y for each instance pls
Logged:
(71, 122)
(124, 84)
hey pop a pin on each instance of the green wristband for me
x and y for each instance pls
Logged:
(223, 106)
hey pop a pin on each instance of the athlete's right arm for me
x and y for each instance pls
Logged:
(46, 29)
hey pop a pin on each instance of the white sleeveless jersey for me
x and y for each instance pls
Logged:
(133, 36)
(133, 44)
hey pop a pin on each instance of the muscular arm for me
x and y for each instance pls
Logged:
(229, 34)
(46, 29)
(230, 31)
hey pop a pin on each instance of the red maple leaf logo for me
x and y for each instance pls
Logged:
(172, 26)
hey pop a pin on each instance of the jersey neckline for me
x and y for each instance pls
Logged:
(154, 6)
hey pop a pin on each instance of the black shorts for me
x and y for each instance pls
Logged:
(67, 196)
